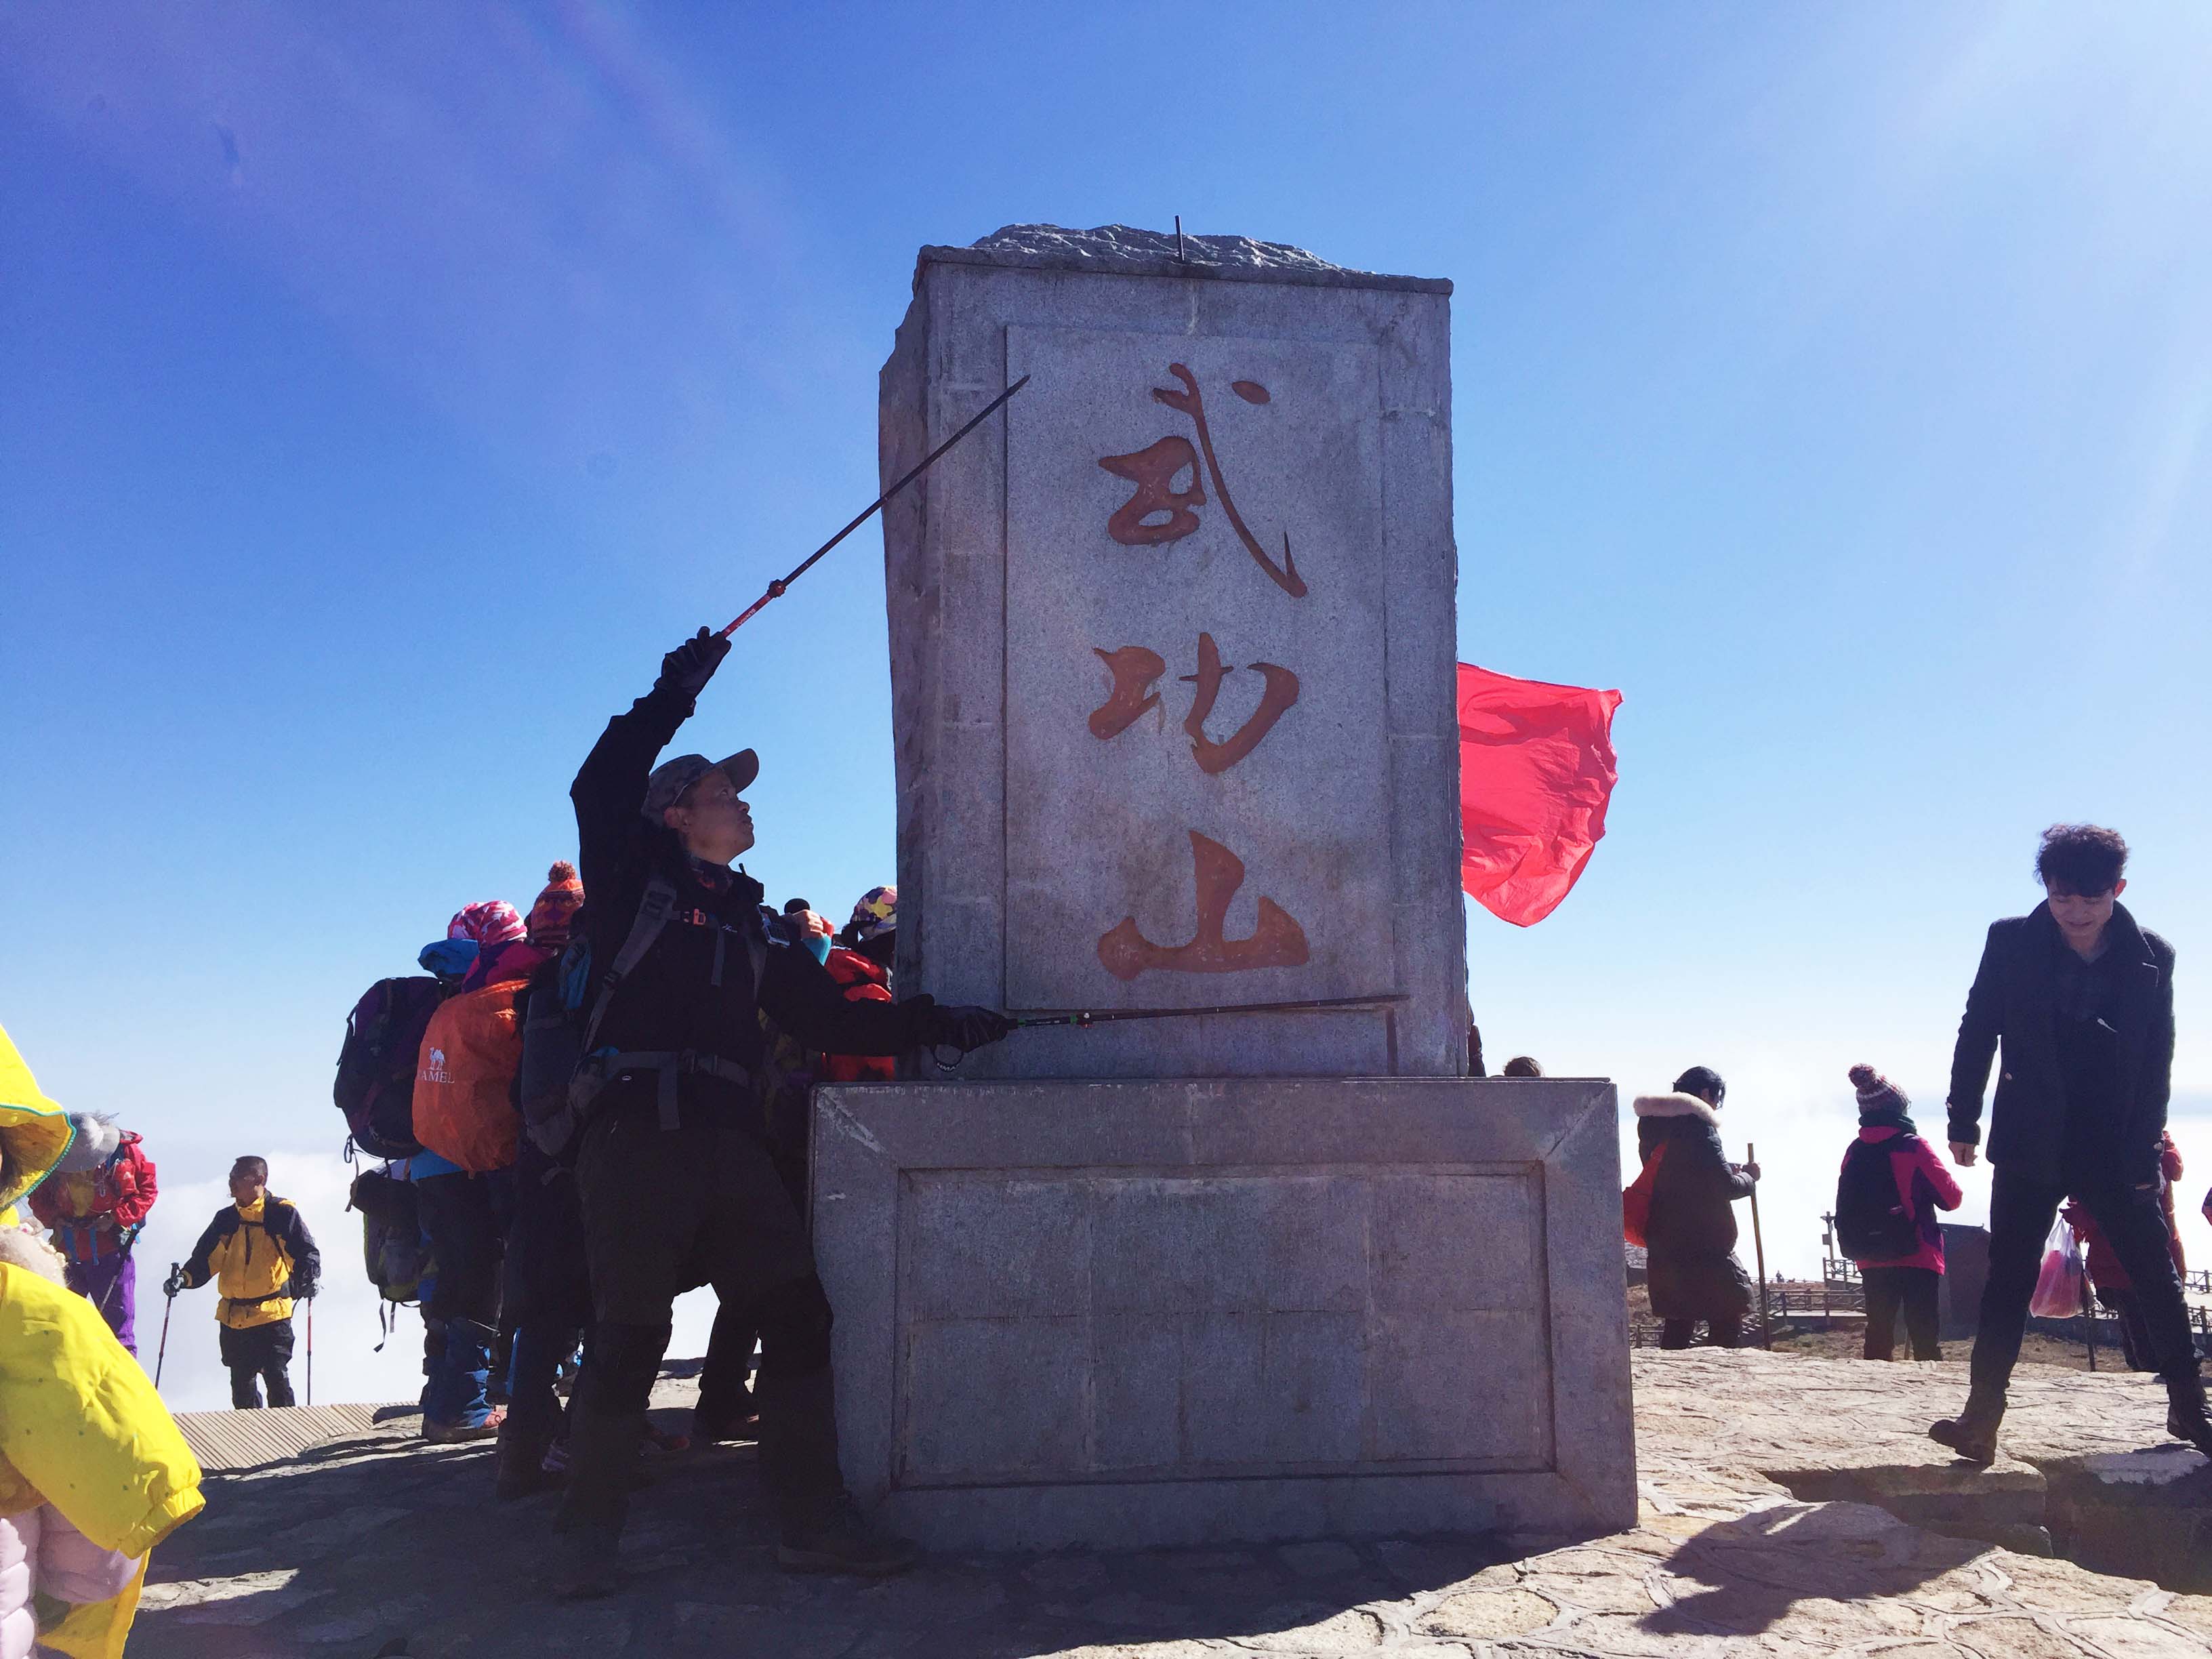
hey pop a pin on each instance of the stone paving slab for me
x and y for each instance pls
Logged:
(365, 1542)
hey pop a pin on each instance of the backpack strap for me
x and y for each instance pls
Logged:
(654, 911)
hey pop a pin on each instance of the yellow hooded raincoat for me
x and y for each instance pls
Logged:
(81, 1426)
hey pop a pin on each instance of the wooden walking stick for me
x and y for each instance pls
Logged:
(1758, 1250)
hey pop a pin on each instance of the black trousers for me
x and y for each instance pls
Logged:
(663, 1210)
(2133, 1225)
(1909, 1291)
(256, 1354)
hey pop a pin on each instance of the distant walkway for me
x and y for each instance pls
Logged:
(226, 1441)
(374, 1536)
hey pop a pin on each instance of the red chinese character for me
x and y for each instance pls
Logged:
(1217, 757)
(1277, 940)
(1153, 471)
(1134, 669)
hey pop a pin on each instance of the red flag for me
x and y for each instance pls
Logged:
(1535, 772)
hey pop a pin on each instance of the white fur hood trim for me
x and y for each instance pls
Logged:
(1675, 1106)
(21, 1248)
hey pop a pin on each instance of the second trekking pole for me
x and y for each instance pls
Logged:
(1758, 1250)
(168, 1308)
(311, 1351)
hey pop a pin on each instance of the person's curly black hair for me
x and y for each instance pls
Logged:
(2081, 858)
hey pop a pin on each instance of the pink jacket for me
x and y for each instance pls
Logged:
(41, 1552)
(1909, 1164)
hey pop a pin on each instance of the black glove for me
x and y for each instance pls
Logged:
(304, 1292)
(965, 1029)
(688, 667)
(175, 1282)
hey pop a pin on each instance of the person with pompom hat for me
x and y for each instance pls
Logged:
(1891, 1184)
(550, 919)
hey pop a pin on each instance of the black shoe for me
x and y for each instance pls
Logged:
(2186, 1417)
(718, 1428)
(518, 1469)
(844, 1542)
(590, 1562)
(1972, 1434)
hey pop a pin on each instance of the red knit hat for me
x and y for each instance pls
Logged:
(487, 921)
(549, 916)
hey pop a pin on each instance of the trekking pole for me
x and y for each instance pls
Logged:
(311, 1351)
(123, 1266)
(1759, 1249)
(168, 1308)
(776, 590)
(2089, 1318)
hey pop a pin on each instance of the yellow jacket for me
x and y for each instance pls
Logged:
(34, 1132)
(82, 1429)
(258, 1255)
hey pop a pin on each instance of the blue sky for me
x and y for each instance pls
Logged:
(388, 386)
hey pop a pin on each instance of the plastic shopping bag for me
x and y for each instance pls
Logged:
(2058, 1290)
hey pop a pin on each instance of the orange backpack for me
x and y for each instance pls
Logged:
(464, 1078)
(1635, 1201)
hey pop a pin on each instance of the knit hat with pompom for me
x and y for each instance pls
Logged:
(1878, 1095)
(551, 915)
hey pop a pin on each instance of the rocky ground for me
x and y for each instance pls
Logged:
(1773, 1489)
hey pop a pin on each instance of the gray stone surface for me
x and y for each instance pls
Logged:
(1189, 1312)
(381, 1538)
(1052, 855)
(1125, 250)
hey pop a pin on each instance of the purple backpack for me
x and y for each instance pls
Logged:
(375, 1086)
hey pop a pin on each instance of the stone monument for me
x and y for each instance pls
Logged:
(1247, 1256)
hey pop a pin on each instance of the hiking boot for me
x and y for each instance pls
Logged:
(844, 1542)
(520, 1469)
(719, 1429)
(1972, 1433)
(2186, 1417)
(450, 1434)
(591, 1563)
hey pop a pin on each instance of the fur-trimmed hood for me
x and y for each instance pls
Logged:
(97, 1138)
(1675, 1106)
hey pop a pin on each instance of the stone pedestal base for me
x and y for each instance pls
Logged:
(1135, 1314)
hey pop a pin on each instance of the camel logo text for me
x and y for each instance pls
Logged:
(433, 1067)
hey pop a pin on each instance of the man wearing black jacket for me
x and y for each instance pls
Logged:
(2081, 998)
(674, 1176)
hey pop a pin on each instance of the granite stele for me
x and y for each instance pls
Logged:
(1172, 664)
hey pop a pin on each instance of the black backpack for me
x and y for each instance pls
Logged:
(375, 1086)
(1873, 1224)
(562, 1070)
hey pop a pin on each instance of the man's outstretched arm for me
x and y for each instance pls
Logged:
(610, 785)
(801, 997)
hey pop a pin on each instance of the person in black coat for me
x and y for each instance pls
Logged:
(674, 1179)
(2080, 999)
(1692, 1270)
